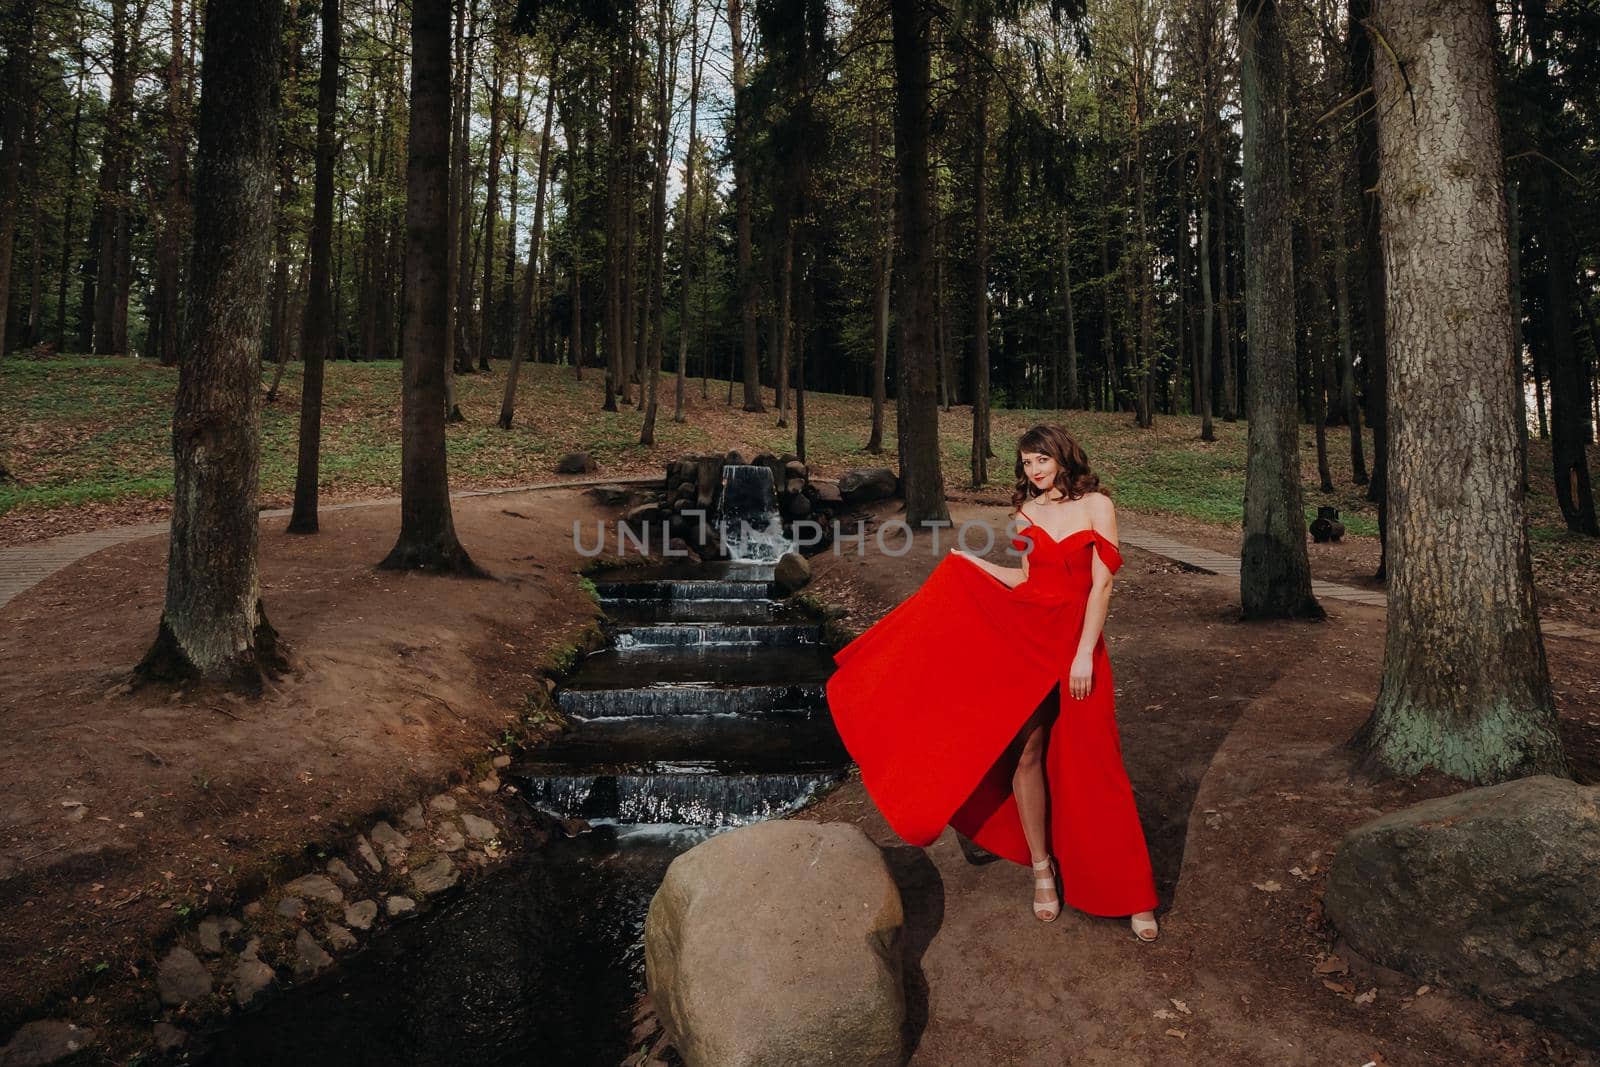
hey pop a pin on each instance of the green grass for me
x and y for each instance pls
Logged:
(76, 431)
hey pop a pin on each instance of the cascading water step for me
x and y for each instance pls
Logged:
(775, 741)
(650, 610)
(705, 699)
(684, 589)
(685, 635)
(639, 668)
(690, 794)
(689, 570)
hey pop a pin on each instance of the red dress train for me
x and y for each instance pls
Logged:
(928, 698)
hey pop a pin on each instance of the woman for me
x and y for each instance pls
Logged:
(984, 700)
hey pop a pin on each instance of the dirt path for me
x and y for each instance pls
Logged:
(1233, 735)
(125, 816)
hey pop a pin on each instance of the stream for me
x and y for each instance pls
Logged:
(706, 712)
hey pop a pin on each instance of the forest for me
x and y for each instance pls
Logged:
(1264, 259)
(735, 165)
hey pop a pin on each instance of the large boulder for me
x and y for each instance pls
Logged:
(1491, 891)
(867, 484)
(779, 943)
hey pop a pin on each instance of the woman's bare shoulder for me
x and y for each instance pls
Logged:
(1102, 513)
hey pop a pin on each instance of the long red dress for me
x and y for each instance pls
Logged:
(928, 698)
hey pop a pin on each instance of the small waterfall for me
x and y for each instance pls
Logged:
(684, 635)
(693, 799)
(747, 514)
(744, 700)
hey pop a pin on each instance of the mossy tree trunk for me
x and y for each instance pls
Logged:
(1465, 687)
(213, 625)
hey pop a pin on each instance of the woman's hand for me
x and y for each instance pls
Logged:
(1082, 677)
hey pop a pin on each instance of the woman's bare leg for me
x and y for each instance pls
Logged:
(1028, 785)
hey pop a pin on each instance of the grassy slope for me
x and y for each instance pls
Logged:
(81, 430)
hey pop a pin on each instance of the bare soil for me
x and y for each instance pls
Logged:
(1234, 737)
(124, 816)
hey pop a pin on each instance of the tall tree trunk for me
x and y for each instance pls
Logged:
(630, 218)
(1465, 687)
(519, 347)
(980, 251)
(74, 170)
(18, 30)
(785, 318)
(1230, 359)
(427, 538)
(1208, 431)
(316, 332)
(745, 281)
(882, 264)
(656, 319)
(1569, 405)
(169, 247)
(1514, 268)
(1347, 357)
(484, 336)
(213, 624)
(1274, 571)
(110, 284)
(1074, 397)
(698, 59)
(1320, 343)
(614, 223)
(917, 409)
(941, 320)
(576, 339)
(1372, 268)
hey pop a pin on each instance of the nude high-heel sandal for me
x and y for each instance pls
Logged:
(1144, 930)
(1041, 908)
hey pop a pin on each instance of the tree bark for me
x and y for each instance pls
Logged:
(697, 57)
(317, 329)
(980, 251)
(213, 625)
(484, 336)
(18, 29)
(1208, 430)
(1465, 687)
(1347, 357)
(169, 250)
(1274, 571)
(1367, 168)
(882, 265)
(519, 346)
(427, 538)
(745, 282)
(1569, 404)
(918, 422)
(655, 325)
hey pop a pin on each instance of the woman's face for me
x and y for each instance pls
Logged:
(1039, 469)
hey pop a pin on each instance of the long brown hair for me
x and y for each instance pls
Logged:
(1073, 476)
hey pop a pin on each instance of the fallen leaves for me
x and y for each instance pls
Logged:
(1269, 886)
